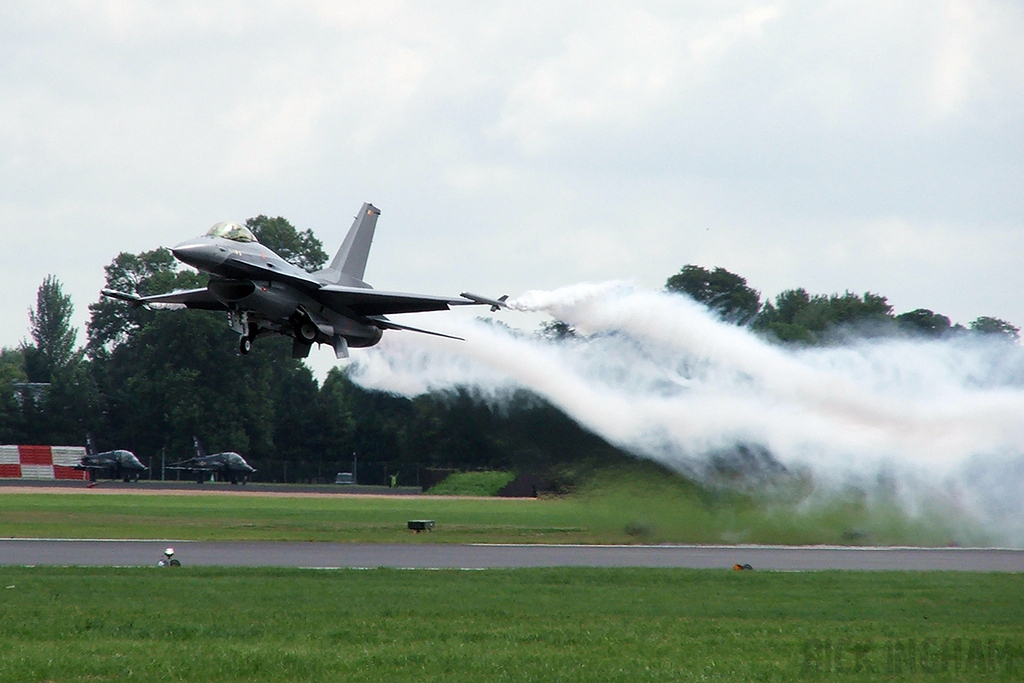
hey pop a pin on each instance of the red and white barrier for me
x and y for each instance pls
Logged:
(41, 462)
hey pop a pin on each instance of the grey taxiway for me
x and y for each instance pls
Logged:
(447, 556)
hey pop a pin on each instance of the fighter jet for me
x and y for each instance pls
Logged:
(117, 464)
(230, 466)
(261, 292)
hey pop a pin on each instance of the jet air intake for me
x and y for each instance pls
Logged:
(230, 291)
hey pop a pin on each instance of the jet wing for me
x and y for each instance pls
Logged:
(371, 302)
(190, 298)
(193, 466)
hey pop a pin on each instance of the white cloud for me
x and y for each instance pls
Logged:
(870, 146)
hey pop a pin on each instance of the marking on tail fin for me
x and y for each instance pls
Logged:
(349, 263)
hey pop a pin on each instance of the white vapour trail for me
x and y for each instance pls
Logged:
(871, 399)
(660, 376)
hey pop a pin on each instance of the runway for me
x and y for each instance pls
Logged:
(146, 487)
(34, 552)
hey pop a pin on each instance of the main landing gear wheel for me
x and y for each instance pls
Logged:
(245, 345)
(306, 331)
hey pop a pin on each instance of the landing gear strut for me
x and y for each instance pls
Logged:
(245, 341)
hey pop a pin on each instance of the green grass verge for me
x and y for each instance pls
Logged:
(633, 503)
(472, 484)
(626, 513)
(215, 624)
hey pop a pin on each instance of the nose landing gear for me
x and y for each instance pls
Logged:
(247, 331)
(245, 341)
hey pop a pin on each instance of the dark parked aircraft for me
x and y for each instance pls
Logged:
(118, 464)
(229, 466)
(261, 292)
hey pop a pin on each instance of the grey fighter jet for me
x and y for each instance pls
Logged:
(261, 292)
(229, 466)
(116, 464)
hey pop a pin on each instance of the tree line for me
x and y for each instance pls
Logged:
(148, 380)
(798, 317)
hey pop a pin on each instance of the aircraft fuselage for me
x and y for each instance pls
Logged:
(262, 291)
(233, 260)
(230, 466)
(119, 464)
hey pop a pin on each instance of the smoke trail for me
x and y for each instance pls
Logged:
(660, 376)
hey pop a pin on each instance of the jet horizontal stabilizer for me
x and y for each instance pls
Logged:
(122, 296)
(495, 304)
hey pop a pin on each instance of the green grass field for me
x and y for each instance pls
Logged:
(207, 624)
(614, 507)
(235, 624)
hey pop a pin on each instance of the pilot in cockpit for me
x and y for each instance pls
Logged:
(232, 231)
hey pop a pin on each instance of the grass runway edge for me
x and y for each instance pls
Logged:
(231, 624)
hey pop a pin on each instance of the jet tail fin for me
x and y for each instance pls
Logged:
(90, 447)
(349, 263)
(199, 447)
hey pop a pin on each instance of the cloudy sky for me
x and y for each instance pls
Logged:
(872, 145)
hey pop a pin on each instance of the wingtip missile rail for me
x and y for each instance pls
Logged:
(495, 304)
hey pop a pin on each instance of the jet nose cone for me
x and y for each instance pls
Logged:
(128, 459)
(201, 254)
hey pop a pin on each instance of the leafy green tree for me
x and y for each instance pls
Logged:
(301, 249)
(791, 304)
(788, 318)
(54, 348)
(556, 330)
(924, 322)
(164, 376)
(65, 410)
(178, 376)
(12, 371)
(852, 309)
(69, 409)
(988, 325)
(723, 292)
(112, 322)
(36, 368)
(797, 316)
(333, 432)
(12, 366)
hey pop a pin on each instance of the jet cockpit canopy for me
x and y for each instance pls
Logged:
(232, 231)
